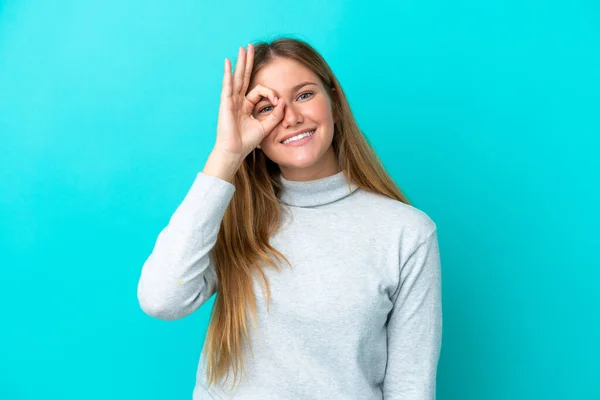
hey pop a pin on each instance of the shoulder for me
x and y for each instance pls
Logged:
(395, 217)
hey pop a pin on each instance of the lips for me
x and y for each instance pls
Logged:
(296, 133)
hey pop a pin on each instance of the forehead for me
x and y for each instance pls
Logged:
(283, 74)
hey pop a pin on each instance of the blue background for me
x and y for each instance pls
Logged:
(486, 113)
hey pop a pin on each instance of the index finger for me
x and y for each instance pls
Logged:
(248, 70)
(259, 93)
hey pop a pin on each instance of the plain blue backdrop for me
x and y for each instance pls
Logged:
(486, 113)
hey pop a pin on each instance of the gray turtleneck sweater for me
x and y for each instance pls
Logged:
(357, 317)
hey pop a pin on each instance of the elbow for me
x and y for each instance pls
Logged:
(157, 310)
(160, 307)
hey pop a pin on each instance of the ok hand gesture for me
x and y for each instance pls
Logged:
(238, 132)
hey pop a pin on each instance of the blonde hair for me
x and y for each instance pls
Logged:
(253, 213)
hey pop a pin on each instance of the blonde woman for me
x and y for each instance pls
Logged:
(327, 280)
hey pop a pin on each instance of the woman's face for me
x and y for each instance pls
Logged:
(307, 107)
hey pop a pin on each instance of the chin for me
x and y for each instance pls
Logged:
(309, 162)
(302, 160)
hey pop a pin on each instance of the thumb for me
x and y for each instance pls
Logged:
(274, 117)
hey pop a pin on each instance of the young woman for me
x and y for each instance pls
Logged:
(295, 219)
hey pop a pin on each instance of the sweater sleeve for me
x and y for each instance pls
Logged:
(179, 275)
(415, 327)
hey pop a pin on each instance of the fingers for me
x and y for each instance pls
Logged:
(241, 76)
(248, 70)
(259, 92)
(226, 87)
(240, 67)
(274, 117)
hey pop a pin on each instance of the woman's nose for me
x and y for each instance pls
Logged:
(291, 115)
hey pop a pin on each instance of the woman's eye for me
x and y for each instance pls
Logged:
(263, 109)
(306, 93)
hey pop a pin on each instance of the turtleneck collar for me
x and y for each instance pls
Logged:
(316, 192)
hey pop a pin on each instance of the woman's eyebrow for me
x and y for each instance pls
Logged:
(298, 86)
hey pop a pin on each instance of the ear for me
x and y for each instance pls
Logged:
(333, 94)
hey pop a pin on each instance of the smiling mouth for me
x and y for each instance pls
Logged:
(299, 138)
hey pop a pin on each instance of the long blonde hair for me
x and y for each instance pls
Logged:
(253, 213)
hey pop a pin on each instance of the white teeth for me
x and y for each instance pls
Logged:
(298, 137)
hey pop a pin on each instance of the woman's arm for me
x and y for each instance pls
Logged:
(415, 326)
(179, 275)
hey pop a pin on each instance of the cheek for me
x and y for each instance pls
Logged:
(268, 141)
(321, 112)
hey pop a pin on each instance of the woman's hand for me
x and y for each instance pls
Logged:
(238, 132)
